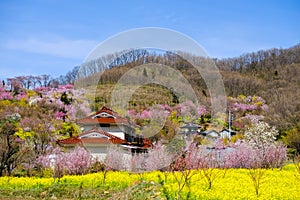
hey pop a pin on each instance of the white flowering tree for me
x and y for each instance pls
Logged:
(262, 139)
(260, 135)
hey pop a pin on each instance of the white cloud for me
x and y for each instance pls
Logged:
(77, 49)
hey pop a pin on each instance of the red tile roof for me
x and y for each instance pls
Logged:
(81, 140)
(107, 110)
(102, 120)
(91, 119)
(72, 140)
(96, 140)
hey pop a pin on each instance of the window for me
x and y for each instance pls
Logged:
(104, 125)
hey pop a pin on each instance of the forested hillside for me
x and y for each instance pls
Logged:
(272, 74)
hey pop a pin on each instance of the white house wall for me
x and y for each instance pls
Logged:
(113, 130)
(118, 134)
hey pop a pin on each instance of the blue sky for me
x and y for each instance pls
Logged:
(52, 36)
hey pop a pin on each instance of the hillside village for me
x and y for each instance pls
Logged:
(53, 128)
(76, 123)
(149, 100)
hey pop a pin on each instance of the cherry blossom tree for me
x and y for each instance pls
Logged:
(114, 159)
(159, 158)
(77, 161)
(243, 155)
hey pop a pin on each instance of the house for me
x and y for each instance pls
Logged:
(109, 121)
(190, 129)
(104, 128)
(225, 133)
(210, 134)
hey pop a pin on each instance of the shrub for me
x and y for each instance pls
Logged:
(292, 139)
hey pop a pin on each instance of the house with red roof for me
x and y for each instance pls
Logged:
(104, 128)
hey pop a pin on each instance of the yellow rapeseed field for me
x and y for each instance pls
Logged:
(230, 184)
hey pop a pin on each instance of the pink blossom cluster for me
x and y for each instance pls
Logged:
(21, 96)
(220, 144)
(166, 107)
(275, 156)
(158, 157)
(4, 95)
(131, 113)
(247, 104)
(42, 89)
(195, 157)
(66, 87)
(114, 159)
(145, 114)
(60, 115)
(254, 118)
(78, 106)
(242, 156)
(245, 156)
(137, 163)
(244, 107)
(76, 162)
(148, 114)
(202, 110)
(189, 108)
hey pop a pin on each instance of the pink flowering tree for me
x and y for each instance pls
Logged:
(77, 161)
(190, 111)
(115, 159)
(242, 156)
(247, 110)
(195, 159)
(159, 158)
(71, 103)
(259, 149)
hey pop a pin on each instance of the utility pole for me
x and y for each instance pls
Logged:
(230, 119)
